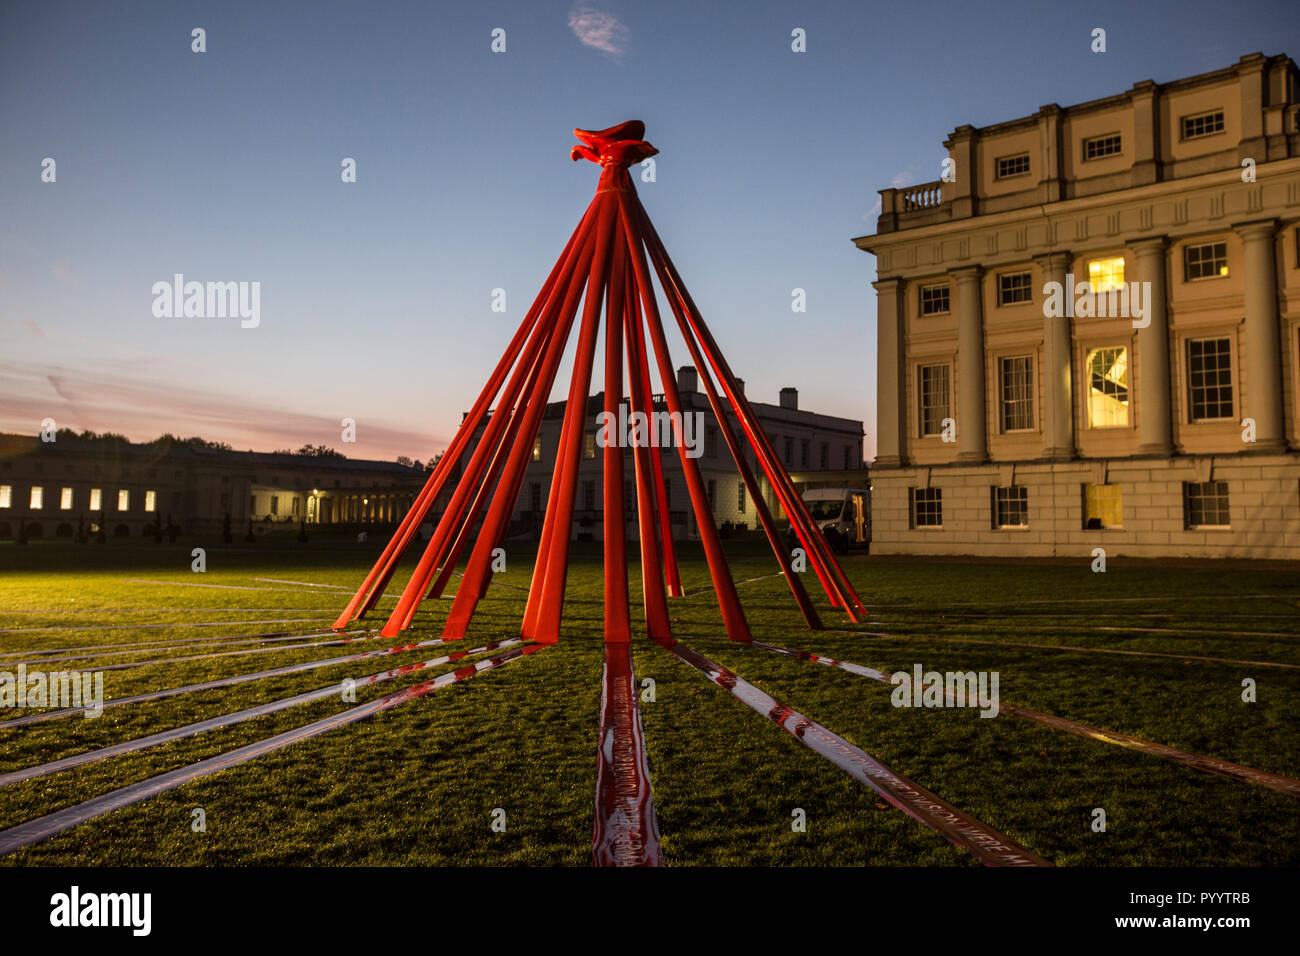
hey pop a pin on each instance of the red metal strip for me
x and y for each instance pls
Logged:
(42, 828)
(625, 832)
(986, 844)
(1224, 768)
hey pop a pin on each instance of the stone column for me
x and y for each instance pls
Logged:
(972, 444)
(1154, 419)
(1262, 371)
(1057, 413)
(891, 410)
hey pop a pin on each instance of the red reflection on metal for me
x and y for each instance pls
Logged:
(606, 267)
(625, 832)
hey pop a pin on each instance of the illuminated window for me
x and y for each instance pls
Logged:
(1104, 506)
(1107, 388)
(65, 499)
(96, 499)
(1208, 261)
(934, 398)
(537, 448)
(150, 501)
(6, 496)
(589, 445)
(123, 500)
(37, 500)
(1106, 274)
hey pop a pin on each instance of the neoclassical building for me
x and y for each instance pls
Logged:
(1019, 414)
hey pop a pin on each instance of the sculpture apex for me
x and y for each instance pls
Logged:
(620, 145)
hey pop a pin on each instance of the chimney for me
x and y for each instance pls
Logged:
(790, 397)
(687, 380)
(740, 385)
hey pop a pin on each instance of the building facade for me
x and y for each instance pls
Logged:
(816, 449)
(1089, 329)
(53, 488)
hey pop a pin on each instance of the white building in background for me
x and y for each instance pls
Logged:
(1009, 428)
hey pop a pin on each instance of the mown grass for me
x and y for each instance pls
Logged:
(419, 784)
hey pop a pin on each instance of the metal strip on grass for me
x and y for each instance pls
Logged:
(986, 844)
(625, 832)
(42, 828)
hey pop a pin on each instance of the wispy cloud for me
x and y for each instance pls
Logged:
(597, 29)
(900, 180)
(62, 270)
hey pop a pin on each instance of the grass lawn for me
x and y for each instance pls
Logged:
(419, 784)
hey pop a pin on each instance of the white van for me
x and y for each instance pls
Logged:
(842, 514)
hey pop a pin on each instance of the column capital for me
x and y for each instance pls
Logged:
(1256, 229)
(1058, 260)
(967, 273)
(1149, 245)
(891, 284)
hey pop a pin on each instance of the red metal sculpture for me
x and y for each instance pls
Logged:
(608, 257)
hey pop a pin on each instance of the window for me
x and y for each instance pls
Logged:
(65, 499)
(1011, 507)
(275, 504)
(1009, 166)
(6, 496)
(934, 398)
(713, 492)
(537, 448)
(151, 501)
(740, 497)
(589, 445)
(1103, 506)
(1202, 124)
(1205, 504)
(789, 450)
(803, 453)
(1107, 388)
(589, 495)
(934, 299)
(826, 455)
(1015, 287)
(926, 507)
(123, 500)
(1101, 146)
(1207, 261)
(848, 457)
(710, 441)
(1017, 394)
(96, 499)
(1209, 379)
(535, 496)
(1106, 274)
(37, 500)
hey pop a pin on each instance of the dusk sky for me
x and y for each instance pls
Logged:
(376, 295)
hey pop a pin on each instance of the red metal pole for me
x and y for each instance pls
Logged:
(479, 565)
(733, 615)
(618, 627)
(382, 572)
(841, 592)
(550, 602)
(647, 496)
(576, 264)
